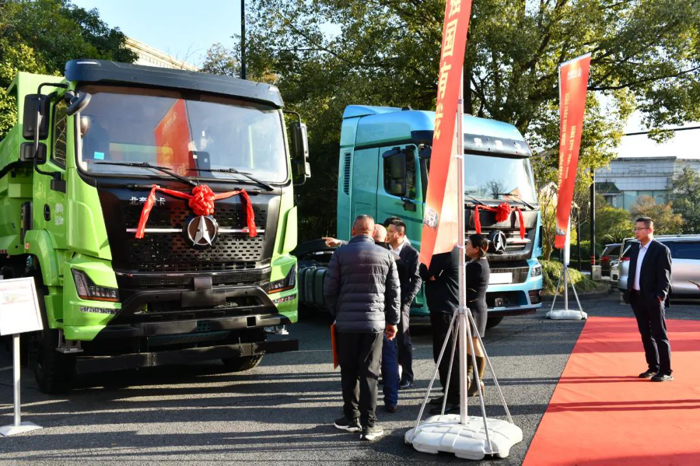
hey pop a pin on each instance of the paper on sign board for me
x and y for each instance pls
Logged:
(19, 307)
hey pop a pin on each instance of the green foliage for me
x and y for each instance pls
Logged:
(666, 222)
(221, 61)
(686, 199)
(326, 54)
(551, 271)
(40, 36)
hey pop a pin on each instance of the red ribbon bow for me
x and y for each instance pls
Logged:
(503, 212)
(201, 201)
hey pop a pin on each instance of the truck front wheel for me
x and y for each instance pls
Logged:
(53, 370)
(241, 364)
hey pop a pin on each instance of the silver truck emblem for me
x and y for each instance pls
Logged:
(202, 230)
(498, 241)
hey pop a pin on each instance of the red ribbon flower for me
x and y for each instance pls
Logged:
(201, 201)
(503, 212)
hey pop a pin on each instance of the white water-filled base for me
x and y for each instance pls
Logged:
(23, 427)
(445, 433)
(561, 314)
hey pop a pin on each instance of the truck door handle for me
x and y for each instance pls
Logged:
(408, 204)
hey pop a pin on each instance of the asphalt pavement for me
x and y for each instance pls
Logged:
(283, 410)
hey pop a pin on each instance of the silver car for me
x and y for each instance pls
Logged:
(685, 268)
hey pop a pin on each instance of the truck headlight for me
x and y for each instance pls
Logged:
(87, 289)
(536, 271)
(287, 283)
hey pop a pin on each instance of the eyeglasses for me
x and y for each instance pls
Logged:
(638, 229)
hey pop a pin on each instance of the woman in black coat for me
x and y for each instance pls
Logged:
(477, 275)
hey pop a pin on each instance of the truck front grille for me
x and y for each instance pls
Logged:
(173, 252)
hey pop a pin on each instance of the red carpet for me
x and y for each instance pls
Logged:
(602, 414)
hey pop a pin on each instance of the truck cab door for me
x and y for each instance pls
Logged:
(364, 185)
(49, 193)
(399, 190)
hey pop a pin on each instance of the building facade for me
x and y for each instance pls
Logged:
(149, 56)
(628, 178)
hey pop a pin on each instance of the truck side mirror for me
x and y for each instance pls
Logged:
(33, 104)
(395, 161)
(425, 153)
(300, 153)
(76, 103)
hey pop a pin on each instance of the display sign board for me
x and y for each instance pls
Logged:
(19, 307)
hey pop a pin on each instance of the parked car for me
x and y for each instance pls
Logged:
(610, 253)
(685, 254)
(615, 270)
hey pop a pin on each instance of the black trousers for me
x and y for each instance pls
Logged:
(405, 345)
(360, 358)
(440, 323)
(651, 321)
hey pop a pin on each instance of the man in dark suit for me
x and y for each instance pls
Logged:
(409, 276)
(648, 285)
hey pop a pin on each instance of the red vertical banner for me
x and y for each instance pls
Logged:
(440, 229)
(573, 83)
(172, 135)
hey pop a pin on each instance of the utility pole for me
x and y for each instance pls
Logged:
(578, 236)
(593, 260)
(242, 39)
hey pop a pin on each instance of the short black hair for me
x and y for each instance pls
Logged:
(390, 220)
(399, 225)
(479, 242)
(647, 221)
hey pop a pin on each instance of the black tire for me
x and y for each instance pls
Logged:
(491, 322)
(244, 363)
(241, 364)
(53, 371)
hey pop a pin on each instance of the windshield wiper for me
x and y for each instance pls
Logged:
(165, 170)
(476, 201)
(517, 198)
(235, 172)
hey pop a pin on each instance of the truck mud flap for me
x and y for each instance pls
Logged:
(93, 364)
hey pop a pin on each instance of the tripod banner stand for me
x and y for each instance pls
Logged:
(19, 313)
(469, 437)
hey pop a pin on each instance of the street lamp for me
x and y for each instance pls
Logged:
(242, 39)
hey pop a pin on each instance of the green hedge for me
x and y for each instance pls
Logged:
(551, 270)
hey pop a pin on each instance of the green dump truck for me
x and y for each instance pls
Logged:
(118, 291)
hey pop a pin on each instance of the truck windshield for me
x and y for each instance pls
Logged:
(491, 177)
(192, 134)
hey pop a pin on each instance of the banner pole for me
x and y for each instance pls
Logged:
(567, 257)
(16, 371)
(458, 147)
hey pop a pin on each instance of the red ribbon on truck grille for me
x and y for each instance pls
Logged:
(503, 211)
(201, 201)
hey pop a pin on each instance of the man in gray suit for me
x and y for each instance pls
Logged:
(363, 294)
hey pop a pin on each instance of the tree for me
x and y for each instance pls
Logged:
(666, 222)
(686, 199)
(40, 36)
(325, 54)
(221, 61)
(547, 197)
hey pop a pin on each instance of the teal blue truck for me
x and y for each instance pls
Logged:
(383, 171)
(77, 169)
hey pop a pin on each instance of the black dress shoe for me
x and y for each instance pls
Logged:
(406, 384)
(662, 378)
(436, 401)
(648, 374)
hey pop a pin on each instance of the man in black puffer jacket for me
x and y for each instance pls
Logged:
(363, 293)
